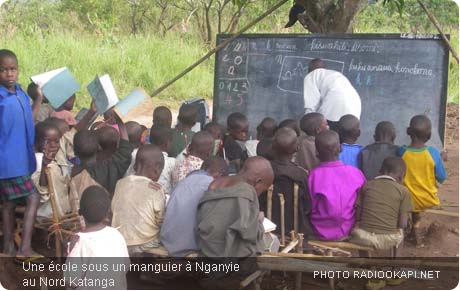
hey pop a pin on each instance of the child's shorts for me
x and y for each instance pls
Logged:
(375, 240)
(15, 188)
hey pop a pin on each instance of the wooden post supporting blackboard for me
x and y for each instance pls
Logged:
(436, 24)
(217, 48)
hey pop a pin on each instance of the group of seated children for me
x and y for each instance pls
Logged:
(178, 191)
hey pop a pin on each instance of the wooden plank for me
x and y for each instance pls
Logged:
(342, 244)
(425, 263)
(290, 246)
(329, 248)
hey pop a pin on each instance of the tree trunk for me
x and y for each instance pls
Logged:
(330, 16)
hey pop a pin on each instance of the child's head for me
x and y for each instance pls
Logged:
(32, 91)
(285, 143)
(291, 123)
(215, 166)
(349, 131)
(214, 129)
(265, 149)
(162, 116)
(202, 145)
(394, 167)
(59, 123)
(238, 126)
(9, 71)
(266, 128)
(85, 144)
(149, 162)
(47, 137)
(161, 136)
(327, 145)
(385, 132)
(313, 123)
(94, 204)
(68, 104)
(188, 115)
(419, 128)
(135, 131)
(108, 138)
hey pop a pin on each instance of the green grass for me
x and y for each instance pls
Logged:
(131, 62)
(148, 61)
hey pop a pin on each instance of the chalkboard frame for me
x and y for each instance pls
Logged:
(359, 36)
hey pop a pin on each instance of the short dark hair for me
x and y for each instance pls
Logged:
(267, 128)
(215, 163)
(265, 148)
(394, 165)
(135, 131)
(310, 122)
(60, 123)
(349, 127)
(41, 128)
(188, 114)
(32, 91)
(384, 130)
(420, 127)
(85, 144)
(235, 120)
(291, 123)
(162, 116)
(160, 135)
(5, 53)
(107, 137)
(212, 125)
(94, 204)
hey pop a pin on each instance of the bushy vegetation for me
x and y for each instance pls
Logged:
(144, 43)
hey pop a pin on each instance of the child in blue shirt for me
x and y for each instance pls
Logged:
(349, 133)
(17, 158)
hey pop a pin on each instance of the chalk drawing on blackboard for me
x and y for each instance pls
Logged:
(260, 45)
(295, 68)
(235, 60)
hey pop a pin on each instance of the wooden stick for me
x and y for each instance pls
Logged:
(57, 235)
(377, 262)
(438, 27)
(290, 246)
(298, 276)
(269, 202)
(296, 208)
(442, 212)
(329, 249)
(283, 226)
(341, 244)
(251, 278)
(219, 47)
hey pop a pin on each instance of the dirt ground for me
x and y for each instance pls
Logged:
(440, 240)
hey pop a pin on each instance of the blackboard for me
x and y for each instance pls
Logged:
(396, 75)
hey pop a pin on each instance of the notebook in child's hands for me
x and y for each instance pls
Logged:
(268, 225)
(135, 105)
(103, 93)
(57, 85)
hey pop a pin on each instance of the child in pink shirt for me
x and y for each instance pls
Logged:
(333, 189)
